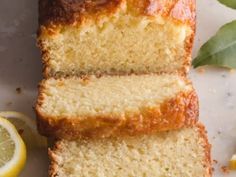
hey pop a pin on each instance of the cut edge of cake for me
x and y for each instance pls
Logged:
(53, 19)
(56, 160)
(173, 112)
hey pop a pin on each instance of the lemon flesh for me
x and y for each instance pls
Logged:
(13, 150)
(232, 163)
(26, 127)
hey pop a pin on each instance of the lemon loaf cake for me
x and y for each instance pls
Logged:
(182, 153)
(74, 107)
(115, 36)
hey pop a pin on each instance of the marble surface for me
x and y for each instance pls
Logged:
(20, 66)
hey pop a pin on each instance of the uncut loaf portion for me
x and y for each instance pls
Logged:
(73, 107)
(181, 153)
(115, 36)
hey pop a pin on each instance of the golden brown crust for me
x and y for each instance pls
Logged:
(75, 12)
(53, 167)
(207, 162)
(62, 12)
(54, 14)
(207, 149)
(172, 114)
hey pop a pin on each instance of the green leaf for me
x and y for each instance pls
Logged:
(229, 3)
(220, 50)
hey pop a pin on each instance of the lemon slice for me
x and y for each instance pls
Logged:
(232, 163)
(12, 150)
(26, 128)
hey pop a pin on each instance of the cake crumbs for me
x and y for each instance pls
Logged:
(18, 90)
(201, 70)
(21, 131)
(225, 169)
(215, 161)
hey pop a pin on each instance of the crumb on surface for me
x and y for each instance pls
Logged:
(232, 71)
(21, 131)
(201, 70)
(225, 169)
(215, 161)
(18, 90)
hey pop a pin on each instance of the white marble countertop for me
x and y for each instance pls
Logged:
(20, 66)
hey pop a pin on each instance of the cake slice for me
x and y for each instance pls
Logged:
(182, 153)
(115, 36)
(90, 106)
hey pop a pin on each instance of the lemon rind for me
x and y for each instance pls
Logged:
(15, 165)
(13, 115)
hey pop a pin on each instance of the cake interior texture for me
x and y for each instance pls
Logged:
(125, 41)
(107, 95)
(182, 153)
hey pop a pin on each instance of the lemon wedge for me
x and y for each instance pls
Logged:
(232, 163)
(12, 150)
(26, 127)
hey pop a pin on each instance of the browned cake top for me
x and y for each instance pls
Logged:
(72, 12)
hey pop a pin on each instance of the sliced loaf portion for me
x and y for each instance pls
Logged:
(116, 36)
(182, 153)
(74, 107)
